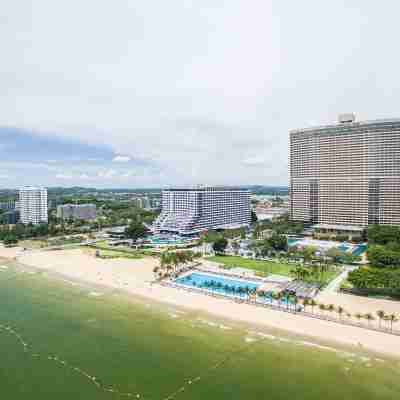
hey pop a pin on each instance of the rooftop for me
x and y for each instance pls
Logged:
(349, 124)
(349, 228)
(205, 189)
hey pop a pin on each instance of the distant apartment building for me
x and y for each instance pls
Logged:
(33, 205)
(144, 202)
(85, 212)
(7, 205)
(189, 211)
(10, 217)
(346, 175)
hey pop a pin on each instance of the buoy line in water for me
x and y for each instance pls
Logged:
(214, 367)
(95, 381)
(91, 378)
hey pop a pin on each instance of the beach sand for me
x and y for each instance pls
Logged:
(135, 276)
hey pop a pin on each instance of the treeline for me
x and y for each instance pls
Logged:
(384, 246)
(281, 225)
(383, 274)
(19, 232)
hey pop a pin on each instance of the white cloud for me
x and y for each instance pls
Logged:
(64, 176)
(121, 159)
(255, 161)
(107, 174)
(222, 95)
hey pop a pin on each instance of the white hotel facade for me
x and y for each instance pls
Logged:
(190, 211)
(33, 205)
(346, 174)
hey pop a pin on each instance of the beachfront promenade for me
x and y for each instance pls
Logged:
(287, 308)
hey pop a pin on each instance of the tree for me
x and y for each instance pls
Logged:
(369, 317)
(358, 316)
(383, 234)
(301, 273)
(219, 245)
(335, 254)
(331, 308)
(235, 246)
(135, 231)
(381, 315)
(340, 311)
(10, 240)
(392, 318)
(313, 303)
(278, 242)
(306, 302)
(308, 252)
(254, 218)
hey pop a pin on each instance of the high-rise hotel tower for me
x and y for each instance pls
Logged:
(346, 174)
(33, 205)
(189, 211)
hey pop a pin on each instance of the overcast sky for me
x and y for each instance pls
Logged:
(135, 93)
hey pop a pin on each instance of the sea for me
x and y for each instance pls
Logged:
(62, 340)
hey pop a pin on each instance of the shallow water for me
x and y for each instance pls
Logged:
(61, 340)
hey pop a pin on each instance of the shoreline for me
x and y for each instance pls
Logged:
(326, 334)
(261, 331)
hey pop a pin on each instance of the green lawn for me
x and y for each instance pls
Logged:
(116, 252)
(264, 268)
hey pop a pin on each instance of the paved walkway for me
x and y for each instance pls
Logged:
(334, 285)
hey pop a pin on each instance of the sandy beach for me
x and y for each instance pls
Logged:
(135, 276)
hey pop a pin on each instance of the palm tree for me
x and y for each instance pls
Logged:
(369, 317)
(392, 318)
(155, 270)
(313, 303)
(306, 302)
(381, 315)
(358, 316)
(331, 308)
(340, 311)
(295, 302)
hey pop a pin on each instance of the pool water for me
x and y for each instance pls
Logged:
(356, 250)
(167, 239)
(218, 284)
(359, 249)
(228, 287)
(343, 247)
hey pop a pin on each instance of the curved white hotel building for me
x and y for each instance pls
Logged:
(33, 205)
(189, 211)
(346, 174)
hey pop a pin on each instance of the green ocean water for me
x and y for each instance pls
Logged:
(55, 337)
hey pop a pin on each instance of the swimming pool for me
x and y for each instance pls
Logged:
(359, 249)
(162, 240)
(230, 287)
(218, 284)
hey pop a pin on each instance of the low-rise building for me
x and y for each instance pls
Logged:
(85, 212)
(10, 217)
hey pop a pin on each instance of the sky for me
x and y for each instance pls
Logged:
(146, 93)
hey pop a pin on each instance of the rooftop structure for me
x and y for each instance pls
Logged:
(346, 173)
(189, 211)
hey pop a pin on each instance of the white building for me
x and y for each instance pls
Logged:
(189, 211)
(33, 205)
